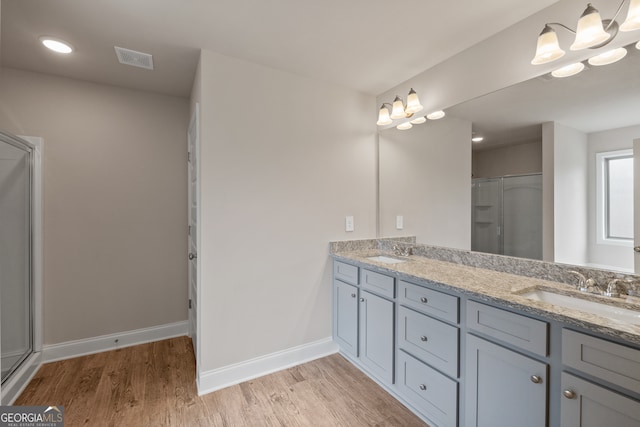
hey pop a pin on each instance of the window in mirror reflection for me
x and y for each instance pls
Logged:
(615, 201)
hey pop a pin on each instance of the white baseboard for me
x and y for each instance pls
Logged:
(70, 349)
(220, 378)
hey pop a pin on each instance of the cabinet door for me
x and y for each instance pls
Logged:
(345, 317)
(376, 335)
(504, 388)
(585, 404)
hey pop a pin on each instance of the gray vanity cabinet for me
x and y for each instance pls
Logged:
(588, 404)
(585, 404)
(376, 335)
(345, 317)
(363, 318)
(504, 388)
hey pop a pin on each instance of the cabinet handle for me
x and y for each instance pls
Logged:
(424, 300)
(353, 295)
(536, 379)
(569, 394)
(422, 387)
(423, 338)
(361, 299)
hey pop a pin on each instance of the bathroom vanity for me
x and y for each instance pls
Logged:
(467, 346)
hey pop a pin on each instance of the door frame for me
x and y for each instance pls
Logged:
(21, 377)
(194, 123)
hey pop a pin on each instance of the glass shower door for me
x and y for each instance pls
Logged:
(15, 255)
(486, 202)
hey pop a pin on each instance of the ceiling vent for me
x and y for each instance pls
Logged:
(134, 58)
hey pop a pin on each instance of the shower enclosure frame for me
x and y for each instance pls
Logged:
(13, 386)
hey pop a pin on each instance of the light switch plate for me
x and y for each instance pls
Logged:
(348, 223)
(399, 222)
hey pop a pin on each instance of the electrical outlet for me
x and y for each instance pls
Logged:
(348, 223)
(399, 222)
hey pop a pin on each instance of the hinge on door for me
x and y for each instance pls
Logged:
(189, 231)
(188, 156)
(189, 303)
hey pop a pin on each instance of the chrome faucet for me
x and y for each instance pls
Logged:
(586, 285)
(613, 289)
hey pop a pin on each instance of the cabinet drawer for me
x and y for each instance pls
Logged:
(430, 340)
(515, 329)
(345, 272)
(377, 283)
(432, 393)
(609, 361)
(428, 301)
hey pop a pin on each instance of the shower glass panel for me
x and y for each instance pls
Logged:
(486, 202)
(15, 255)
(507, 216)
(522, 201)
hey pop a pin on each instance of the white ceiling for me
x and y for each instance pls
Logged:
(599, 98)
(367, 45)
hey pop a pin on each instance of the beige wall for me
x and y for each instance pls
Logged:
(283, 160)
(114, 202)
(516, 159)
(425, 176)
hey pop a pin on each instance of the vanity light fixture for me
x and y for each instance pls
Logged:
(476, 138)
(608, 57)
(568, 70)
(56, 45)
(404, 126)
(436, 115)
(592, 32)
(398, 109)
(418, 121)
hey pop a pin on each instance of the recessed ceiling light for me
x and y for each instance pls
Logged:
(56, 45)
(568, 70)
(436, 115)
(608, 57)
(477, 139)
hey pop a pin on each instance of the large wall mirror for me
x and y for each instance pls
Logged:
(552, 179)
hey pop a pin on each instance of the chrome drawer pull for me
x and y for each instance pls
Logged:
(424, 300)
(353, 295)
(536, 379)
(569, 394)
(423, 387)
(423, 338)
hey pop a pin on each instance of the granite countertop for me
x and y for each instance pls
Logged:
(502, 288)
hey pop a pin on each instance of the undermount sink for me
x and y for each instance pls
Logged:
(609, 311)
(386, 259)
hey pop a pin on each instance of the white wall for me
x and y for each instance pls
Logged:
(501, 60)
(283, 160)
(569, 194)
(612, 256)
(517, 159)
(425, 176)
(114, 202)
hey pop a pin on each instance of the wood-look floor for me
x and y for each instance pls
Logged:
(154, 385)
